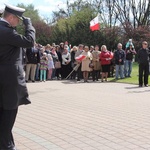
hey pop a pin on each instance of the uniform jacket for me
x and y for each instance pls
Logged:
(13, 90)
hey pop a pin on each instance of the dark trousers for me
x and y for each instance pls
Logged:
(58, 73)
(143, 68)
(66, 69)
(7, 120)
(95, 74)
(79, 73)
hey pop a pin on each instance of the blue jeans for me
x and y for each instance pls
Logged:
(54, 72)
(119, 71)
(128, 68)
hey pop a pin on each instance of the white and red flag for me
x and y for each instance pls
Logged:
(80, 57)
(94, 24)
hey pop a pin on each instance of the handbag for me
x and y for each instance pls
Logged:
(57, 64)
(91, 65)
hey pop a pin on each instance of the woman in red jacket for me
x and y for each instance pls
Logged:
(105, 58)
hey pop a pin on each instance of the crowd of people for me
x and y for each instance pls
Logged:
(59, 62)
(52, 62)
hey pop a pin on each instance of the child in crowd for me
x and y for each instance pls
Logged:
(50, 66)
(129, 43)
(43, 67)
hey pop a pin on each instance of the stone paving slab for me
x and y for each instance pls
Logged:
(66, 115)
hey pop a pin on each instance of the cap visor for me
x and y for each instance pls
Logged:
(19, 17)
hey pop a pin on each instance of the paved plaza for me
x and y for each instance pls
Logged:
(66, 115)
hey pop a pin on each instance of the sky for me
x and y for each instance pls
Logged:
(45, 7)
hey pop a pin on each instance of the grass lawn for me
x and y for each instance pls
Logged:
(132, 80)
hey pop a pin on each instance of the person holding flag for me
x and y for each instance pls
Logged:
(78, 62)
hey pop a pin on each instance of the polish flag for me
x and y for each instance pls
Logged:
(80, 57)
(94, 24)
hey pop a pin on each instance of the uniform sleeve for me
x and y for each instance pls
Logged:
(18, 40)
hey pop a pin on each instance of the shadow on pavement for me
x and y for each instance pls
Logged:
(141, 89)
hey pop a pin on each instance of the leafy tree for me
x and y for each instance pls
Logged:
(74, 29)
(31, 12)
(119, 19)
(43, 30)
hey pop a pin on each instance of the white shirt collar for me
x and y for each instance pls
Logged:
(4, 20)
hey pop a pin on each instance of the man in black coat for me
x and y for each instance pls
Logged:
(33, 58)
(143, 60)
(119, 56)
(13, 90)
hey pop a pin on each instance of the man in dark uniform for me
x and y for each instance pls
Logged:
(13, 90)
(143, 60)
